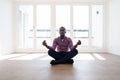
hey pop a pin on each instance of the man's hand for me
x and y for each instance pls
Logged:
(79, 42)
(44, 43)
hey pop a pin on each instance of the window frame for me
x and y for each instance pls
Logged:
(53, 34)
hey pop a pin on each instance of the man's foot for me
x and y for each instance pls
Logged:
(54, 62)
(70, 61)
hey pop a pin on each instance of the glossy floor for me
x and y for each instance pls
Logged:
(35, 66)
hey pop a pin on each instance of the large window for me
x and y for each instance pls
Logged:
(63, 18)
(81, 24)
(43, 26)
(97, 26)
(25, 20)
(36, 23)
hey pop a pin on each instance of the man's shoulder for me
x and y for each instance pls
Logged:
(68, 38)
(56, 38)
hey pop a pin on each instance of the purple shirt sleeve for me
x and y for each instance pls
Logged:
(54, 44)
(70, 44)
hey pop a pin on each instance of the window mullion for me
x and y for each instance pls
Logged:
(34, 27)
(53, 21)
(90, 26)
(71, 21)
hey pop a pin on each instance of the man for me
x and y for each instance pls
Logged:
(65, 49)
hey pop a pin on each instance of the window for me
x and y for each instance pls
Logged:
(97, 26)
(43, 26)
(63, 18)
(25, 22)
(83, 22)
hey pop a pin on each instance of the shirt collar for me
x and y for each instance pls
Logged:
(64, 37)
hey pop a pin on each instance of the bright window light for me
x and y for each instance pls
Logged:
(25, 23)
(38, 56)
(4, 57)
(98, 56)
(46, 58)
(28, 57)
(63, 18)
(43, 24)
(83, 22)
(97, 26)
(85, 56)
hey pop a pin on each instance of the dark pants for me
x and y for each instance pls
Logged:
(62, 57)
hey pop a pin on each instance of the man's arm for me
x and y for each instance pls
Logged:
(45, 44)
(78, 43)
(49, 47)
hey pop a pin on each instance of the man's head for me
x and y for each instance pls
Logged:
(62, 31)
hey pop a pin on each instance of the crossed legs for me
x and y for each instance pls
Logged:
(62, 57)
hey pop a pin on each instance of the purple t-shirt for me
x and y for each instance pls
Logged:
(65, 44)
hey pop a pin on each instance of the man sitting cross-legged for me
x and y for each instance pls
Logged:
(65, 49)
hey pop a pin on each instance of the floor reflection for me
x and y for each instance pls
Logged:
(39, 56)
(58, 71)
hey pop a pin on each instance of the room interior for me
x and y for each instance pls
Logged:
(24, 24)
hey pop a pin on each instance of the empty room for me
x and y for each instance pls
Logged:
(59, 40)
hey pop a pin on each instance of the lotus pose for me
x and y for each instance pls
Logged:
(65, 49)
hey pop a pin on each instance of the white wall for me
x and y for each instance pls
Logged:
(63, 0)
(6, 33)
(114, 27)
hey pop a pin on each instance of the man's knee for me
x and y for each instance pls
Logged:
(75, 51)
(51, 51)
